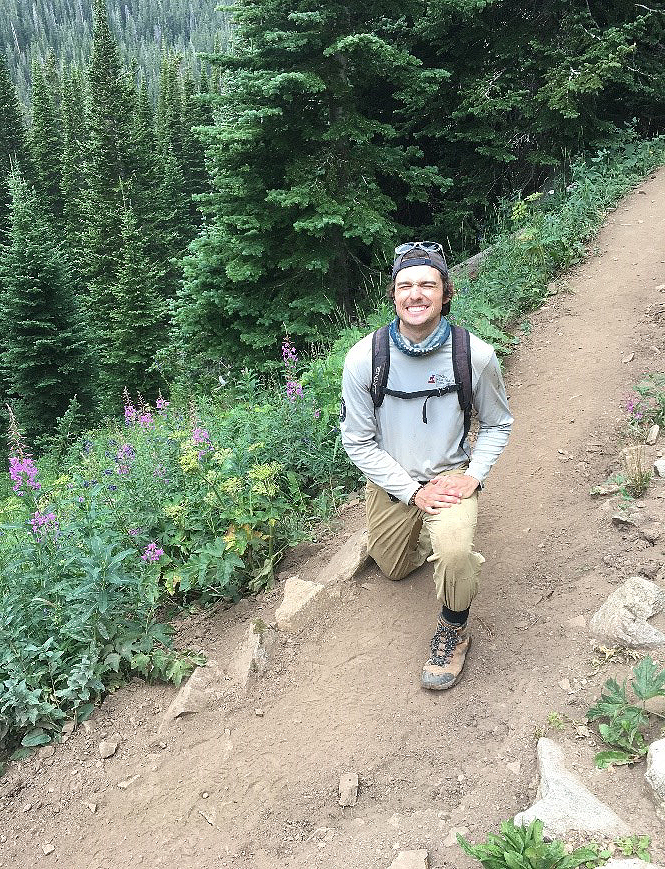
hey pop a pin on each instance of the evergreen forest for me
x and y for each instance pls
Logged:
(165, 221)
(31, 31)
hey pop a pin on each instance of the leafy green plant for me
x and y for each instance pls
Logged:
(556, 721)
(647, 406)
(525, 848)
(635, 846)
(625, 721)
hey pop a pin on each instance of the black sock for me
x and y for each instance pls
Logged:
(453, 617)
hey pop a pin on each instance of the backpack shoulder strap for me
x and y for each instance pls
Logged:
(380, 365)
(462, 372)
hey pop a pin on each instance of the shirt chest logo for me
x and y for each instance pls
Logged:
(439, 381)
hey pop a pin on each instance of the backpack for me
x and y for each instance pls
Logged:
(461, 371)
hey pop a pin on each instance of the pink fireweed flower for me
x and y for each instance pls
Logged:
(130, 414)
(161, 403)
(42, 524)
(23, 472)
(634, 407)
(293, 390)
(152, 553)
(22, 469)
(145, 419)
(317, 413)
(289, 354)
(200, 436)
(133, 532)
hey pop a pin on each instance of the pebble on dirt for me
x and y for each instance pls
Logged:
(411, 860)
(348, 789)
(48, 849)
(655, 774)
(652, 434)
(107, 748)
(623, 618)
(659, 467)
(621, 520)
(451, 838)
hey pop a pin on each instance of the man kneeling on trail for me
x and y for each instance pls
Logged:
(407, 393)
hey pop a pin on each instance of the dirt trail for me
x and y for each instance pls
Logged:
(232, 788)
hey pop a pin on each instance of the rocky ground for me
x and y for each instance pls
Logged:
(244, 771)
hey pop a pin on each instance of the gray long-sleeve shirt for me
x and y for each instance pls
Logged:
(392, 446)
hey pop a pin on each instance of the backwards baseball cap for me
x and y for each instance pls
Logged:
(420, 253)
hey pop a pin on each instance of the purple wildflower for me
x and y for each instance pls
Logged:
(42, 524)
(160, 471)
(145, 419)
(161, 403)
(152, 553)
(293, 390)
(201, 436)
(317, 413)
(130, 411)
(22, 469)
(133, 532)
(289, 354)
(23, 472)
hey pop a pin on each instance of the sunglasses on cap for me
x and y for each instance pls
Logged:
(423, 245)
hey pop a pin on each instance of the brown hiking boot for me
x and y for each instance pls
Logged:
(450, 644)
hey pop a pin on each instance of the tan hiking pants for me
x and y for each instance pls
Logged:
(400, 539)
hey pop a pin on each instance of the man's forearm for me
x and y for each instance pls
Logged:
(490, 444)
(381, 468)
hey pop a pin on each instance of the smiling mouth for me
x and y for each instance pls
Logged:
(416, 309)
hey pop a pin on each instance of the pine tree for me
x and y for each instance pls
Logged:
(73, 181)
(111, 163)
(13, 143)
(196, 114)
(46, 143)
(42, 357)
(308, 171)
(138, 318)
(528, 88)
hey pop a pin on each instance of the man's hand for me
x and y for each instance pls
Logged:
(446, 491)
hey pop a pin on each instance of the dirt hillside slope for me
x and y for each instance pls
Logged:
(230, 787)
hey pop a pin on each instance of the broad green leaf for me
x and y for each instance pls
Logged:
(113, 661)
(38, 736)
(84, 711)
(514, 860)
(608, 758)
(612, 701)
(647, 682)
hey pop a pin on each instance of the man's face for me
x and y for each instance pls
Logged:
(419, 297)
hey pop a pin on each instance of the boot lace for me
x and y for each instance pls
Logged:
(443, 645)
